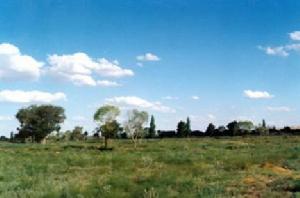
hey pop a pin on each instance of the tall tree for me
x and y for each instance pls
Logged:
(77, 134)
(263, 129)
(233, 128)
(134, 126)
(152, 127)
(210, 129)
(181, 129)
(245, 127)
(264, 123)
(188, 125)
(106, 116)
(39, 121)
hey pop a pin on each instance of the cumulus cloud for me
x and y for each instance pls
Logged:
(136, 102)
(295, 35)
(275, 51)
(257, 94)
(279, 109)
(16, 66)
(19, 96)
(283, 50)
(79, 69)
(148, 57)
(195, 97)
(293, 47)
(107, 83)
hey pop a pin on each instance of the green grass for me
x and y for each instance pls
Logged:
(205, 167)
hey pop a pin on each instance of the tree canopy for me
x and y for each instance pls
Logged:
(135, 123)
(106, 117)
(106, 113)
(39, 121)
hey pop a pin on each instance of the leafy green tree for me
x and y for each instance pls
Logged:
(263, 129)
(152, 127)
(134, 125)
(245, 126)
(264, 123)
(39, 121)
(182, 129)
(210, 129)
(109, 130)
(77, 134)
(66, 136)
(106, 116)
(188, 125)
(233, 128)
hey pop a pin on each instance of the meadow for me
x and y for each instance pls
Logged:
(186, 167)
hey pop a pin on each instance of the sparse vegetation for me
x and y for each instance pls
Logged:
(198, 167)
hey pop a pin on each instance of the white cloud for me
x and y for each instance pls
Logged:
(279, 109)
(79, 69)
(16, 66)
(293, 47)
(106, 83)
(257, 94)
(275, 51)
(170, 98)
(136, 102)
(195, 97)
(18, 96)
(6, 118)
(295, 35)
(148, 57)
(111, 69)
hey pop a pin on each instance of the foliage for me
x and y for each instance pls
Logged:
(77, 134)
(106, 117)
(134, 125)
(39, 121)
(188, 125)
(233, 128)
(210, 129)
(109, 130)
(262, 129)
(182, 129)
(152, 127)
(106, 113)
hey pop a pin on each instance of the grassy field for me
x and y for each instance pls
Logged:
(240, 167)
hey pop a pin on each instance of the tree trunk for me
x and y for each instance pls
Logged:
(105, 142)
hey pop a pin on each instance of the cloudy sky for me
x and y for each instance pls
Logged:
(212, 60)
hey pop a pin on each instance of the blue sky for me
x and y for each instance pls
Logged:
(214, 60)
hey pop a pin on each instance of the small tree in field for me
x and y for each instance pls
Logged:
(134, 125)
(106, 117)
(77, 134)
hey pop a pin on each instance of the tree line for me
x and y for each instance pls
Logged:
(38, 122)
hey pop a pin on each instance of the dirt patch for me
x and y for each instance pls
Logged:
(259, 180)
(277, 169)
